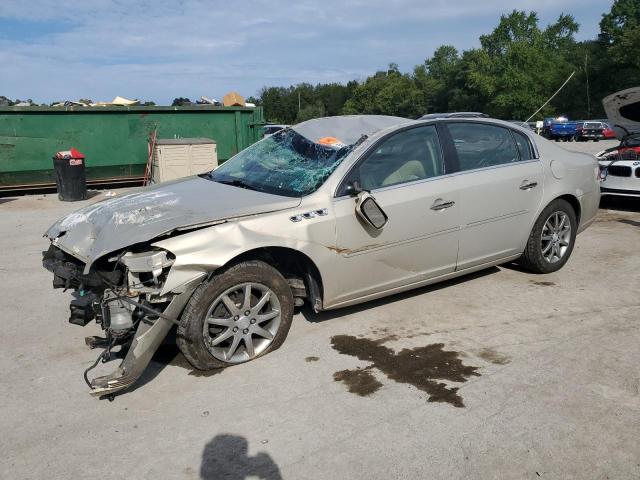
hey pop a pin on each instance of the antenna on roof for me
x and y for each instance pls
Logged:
(551, 98)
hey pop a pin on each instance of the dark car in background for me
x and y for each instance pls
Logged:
(589, 131)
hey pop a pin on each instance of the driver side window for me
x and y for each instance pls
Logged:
(407, 156)
(479, 145)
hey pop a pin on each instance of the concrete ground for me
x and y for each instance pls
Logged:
(546, 369)
(589, 147)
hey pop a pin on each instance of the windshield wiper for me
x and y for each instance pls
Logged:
(237, 183)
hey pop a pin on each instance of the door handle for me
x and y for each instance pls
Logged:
(440, 205)
(527, 185)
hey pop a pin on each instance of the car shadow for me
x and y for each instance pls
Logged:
(309, 315)
(6, 200)
(226, 457)
(167, 353)
(624, 204)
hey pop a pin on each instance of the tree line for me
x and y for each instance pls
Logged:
(516, 68)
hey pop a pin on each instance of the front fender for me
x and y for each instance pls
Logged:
(203, 251)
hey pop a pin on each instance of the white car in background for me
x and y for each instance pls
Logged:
(620, 165)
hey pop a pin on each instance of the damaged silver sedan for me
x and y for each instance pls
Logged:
(332, 212)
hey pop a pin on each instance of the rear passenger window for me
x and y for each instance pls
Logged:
(524, 146)
(479, 145)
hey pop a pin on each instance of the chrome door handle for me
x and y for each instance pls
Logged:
(526, 185)
(442, 205)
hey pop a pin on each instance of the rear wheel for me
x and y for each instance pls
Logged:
(236, 316)
(552, 239)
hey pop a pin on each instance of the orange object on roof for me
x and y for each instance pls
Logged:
(328, 141)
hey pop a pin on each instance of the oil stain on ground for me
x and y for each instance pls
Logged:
(311, 359)
(543, 284)
(421, 367)
(494, 357)
(359, 381)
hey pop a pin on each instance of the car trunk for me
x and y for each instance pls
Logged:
(623, 111)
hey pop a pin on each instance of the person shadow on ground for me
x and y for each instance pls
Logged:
(225, 458)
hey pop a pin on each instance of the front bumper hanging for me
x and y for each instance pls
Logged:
(147, 339)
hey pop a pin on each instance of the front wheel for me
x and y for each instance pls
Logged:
(552, 239)
(236, 316)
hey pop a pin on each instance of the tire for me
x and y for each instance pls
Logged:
(203, 347)
(535, 258)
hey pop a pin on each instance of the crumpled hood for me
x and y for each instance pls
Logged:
(623, 111)
(140, 216)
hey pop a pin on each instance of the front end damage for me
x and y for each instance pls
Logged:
(123, 294)
(133, 261)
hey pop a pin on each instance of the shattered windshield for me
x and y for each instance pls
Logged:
(285, 163)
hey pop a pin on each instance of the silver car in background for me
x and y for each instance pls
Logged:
(331, 212)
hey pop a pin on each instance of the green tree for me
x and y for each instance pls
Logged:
(387, 93)
(623, 17)
(516, 68)
(310, 111)
(519, 65)
(180, 101)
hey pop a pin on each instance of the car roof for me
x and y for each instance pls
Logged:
(348, 129)
(430, 116)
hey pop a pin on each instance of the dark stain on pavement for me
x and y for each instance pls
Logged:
(543, 284)
(312, 359)
(494, 357)
(421, 367)
(359, 381)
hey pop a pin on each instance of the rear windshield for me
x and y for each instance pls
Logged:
(592, 125)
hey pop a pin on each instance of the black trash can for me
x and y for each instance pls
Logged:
(71, 179)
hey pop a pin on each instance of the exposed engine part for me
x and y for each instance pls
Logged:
(67, 271)
(147, 338)
(122, 294)
(82, 309)
(96, 342)
(144, 269)
(104, 356)
(116, 313)
(153, 261)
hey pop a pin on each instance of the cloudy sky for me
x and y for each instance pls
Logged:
(161, 49)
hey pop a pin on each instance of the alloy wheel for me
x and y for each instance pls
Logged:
(242, 322)
(556, 237)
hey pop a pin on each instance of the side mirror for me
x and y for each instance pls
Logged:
(368, 210)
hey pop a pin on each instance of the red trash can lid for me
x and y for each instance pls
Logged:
(72, 153)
